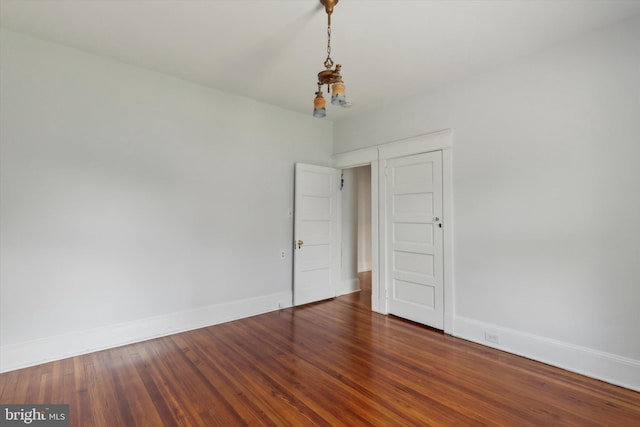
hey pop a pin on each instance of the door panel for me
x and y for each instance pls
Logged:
(414, 238)
(315, 268)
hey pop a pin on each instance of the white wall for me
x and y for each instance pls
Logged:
(546, 199)
(134, 204)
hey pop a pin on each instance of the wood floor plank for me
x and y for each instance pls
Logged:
(150, 391)
(9, 384)
(333, 359)
(188, 403)
(225, 380)
(333, 363)
(332, 389)
(285, 385)
(395, 370)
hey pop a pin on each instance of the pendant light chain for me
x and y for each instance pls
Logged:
(328, 63)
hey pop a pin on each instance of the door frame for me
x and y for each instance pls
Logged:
(377, 157)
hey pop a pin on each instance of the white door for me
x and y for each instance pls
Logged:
(414, 259)
(315, 259)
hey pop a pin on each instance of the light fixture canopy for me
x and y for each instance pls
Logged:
(329, 76)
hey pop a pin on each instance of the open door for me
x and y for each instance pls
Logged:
(315, 255)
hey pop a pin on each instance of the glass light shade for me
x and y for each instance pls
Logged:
(319, 105)
(337, 94)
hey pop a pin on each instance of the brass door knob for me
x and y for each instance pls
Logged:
(299, 243)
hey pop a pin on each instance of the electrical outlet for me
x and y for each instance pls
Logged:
(283, 254)
(492, 338)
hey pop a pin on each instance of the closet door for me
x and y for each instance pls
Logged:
(414, 241)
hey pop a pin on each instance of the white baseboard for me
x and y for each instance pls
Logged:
(600, 365)
(348, 286)
(364, 266)
(22, 355)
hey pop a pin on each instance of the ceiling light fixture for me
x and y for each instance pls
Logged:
(328, 76)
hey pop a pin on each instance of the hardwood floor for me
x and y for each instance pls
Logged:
(331, 363)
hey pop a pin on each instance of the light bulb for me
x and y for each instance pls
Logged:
(319, 105)
(337, 93)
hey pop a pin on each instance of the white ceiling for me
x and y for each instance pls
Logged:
(272, 50)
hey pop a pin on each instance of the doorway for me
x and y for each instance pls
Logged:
(356, 231)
